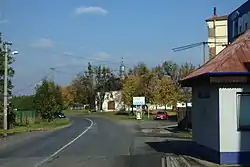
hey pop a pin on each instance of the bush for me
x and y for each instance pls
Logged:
(121, 113)
(48, 99)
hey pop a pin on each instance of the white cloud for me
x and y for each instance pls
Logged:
(67, 53)
(103, 55)
(91, 10)
(4, 21)
(42, 43)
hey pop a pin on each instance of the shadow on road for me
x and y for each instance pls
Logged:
(180, 147)
(172, 118)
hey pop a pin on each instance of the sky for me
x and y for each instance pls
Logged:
(66, 35)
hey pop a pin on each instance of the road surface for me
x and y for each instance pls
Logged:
(94, 142)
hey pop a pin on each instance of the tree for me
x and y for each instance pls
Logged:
(166, 93)
(48, 99)
(186, 92)
(90, 87)
(151, 88)
(68, 95)
(80, 89)
(104, 82)
(11, 71)
(130, 89)
(144, 75)
(172, 69)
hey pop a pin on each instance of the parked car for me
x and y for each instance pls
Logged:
(59, 115)
(161, 115)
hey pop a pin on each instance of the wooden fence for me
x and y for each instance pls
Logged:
(25, 117)
(184, 117)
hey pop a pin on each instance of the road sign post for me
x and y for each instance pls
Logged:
(139, 102)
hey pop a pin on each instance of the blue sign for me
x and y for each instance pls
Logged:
(238, 21)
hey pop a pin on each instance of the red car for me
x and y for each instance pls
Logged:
(161, 115)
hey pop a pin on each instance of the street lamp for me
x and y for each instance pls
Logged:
(5, 102)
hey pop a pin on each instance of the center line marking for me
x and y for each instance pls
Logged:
(65, 146)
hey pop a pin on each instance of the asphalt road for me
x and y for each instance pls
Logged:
(101, 143)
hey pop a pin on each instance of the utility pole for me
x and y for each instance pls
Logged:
(52, 74)
(5, 102)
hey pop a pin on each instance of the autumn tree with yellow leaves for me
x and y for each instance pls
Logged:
(130, 89)
(159, 85)
(68, 95)
(165, 92)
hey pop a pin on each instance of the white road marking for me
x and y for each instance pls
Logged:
(65, 146)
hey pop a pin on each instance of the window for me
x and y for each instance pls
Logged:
(243, 111)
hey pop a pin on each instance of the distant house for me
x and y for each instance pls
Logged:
(112, 101)
(160, 107)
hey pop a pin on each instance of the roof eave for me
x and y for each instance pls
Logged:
(218, 18)
(190, 81)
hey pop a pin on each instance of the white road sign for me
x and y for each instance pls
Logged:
(138, 101)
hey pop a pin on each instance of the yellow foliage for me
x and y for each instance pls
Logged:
(68, 95)
(165, 93)
(130, 87)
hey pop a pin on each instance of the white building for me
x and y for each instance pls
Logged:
(221, 105)
(159, 107)
(112, 101)
(217, 34)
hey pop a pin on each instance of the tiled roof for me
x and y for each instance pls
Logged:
(217, 18)
(234, 58)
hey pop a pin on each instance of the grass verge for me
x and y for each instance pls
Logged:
(75, 112)
(182, 135)
(39, 126)
(110, 115)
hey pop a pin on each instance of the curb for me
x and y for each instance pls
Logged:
(164, 135)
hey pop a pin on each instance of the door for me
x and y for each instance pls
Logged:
(111, 105)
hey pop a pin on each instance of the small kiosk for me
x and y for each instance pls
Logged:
(221, 105)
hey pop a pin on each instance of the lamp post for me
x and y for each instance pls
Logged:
(5, 102)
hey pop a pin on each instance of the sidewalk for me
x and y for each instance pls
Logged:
(166, 128)
(155, 138)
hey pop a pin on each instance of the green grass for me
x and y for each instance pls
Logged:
(110, 115)
(185, 135)
(38, 126)
(75, 112)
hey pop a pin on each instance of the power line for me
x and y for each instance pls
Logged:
(91, 59)
(31, 85)
(62, 72)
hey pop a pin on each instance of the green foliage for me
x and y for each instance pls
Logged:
(23, 102)
(11, 71)
(104, 82)
(48, 99)
(91, 86)
(160, 84)
(186, 92)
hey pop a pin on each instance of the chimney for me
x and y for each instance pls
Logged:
(215, 13)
